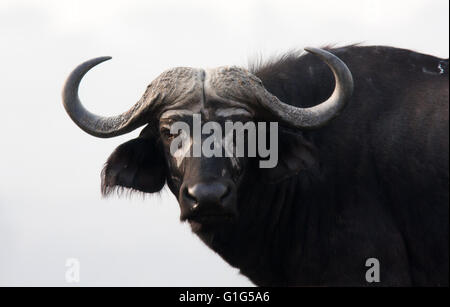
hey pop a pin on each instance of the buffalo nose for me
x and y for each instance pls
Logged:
(207, 193)
(203, 200)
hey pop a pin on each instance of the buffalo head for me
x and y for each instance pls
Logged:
(207, 187)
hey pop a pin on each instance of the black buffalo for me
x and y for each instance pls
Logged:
(362, 169)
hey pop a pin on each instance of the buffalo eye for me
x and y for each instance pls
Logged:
(167, 135)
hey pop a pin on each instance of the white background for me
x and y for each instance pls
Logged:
(50, 203)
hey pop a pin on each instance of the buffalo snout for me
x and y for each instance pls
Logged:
(208, 202)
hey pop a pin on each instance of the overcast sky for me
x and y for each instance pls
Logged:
(50, 203)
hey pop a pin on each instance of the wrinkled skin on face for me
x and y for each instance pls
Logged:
(206, 187)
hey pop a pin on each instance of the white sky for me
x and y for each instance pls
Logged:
(50, 204)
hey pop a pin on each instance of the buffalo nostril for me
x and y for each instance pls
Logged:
(189, 195)
(226, 193)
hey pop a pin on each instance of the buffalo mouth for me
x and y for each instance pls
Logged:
(210, 221)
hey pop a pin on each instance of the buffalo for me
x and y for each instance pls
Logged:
(359, 193)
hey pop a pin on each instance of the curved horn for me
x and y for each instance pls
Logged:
(93, 124)
(319, 115)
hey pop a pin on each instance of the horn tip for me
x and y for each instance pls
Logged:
(103, 58)
(312, 50)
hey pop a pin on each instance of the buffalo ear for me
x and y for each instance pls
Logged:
(295, 154)
(137, 164)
